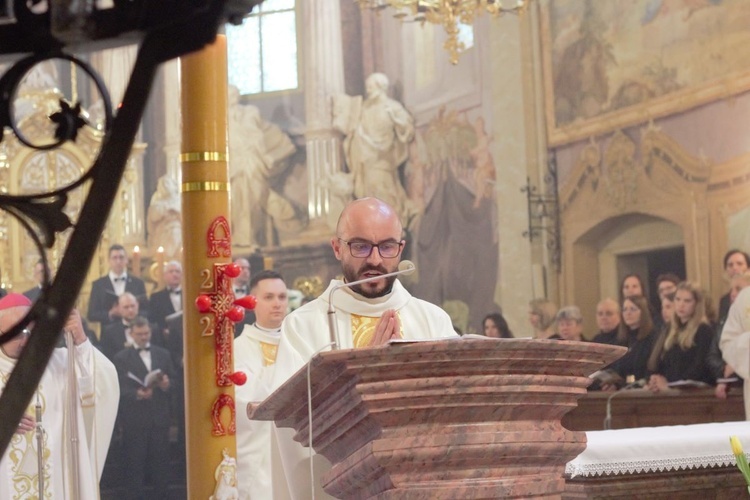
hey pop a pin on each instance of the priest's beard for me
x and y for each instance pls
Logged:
(381, 287)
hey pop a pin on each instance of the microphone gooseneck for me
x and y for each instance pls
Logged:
(608, 418)
(404, 267)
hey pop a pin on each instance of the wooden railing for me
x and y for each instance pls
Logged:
(642, 408)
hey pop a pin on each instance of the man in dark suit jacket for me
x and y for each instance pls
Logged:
(117, 336)
(145, 412)
(168, 300)
(34, 292)
(174, 344)
(104, 291)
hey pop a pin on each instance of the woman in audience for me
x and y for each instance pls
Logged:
(570, 323)
(636, 332)
(496, 327)
(684, 353)
(735, 262)
(632, 286)
(542, 318)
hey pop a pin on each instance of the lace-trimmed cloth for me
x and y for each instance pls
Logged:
(658, 449)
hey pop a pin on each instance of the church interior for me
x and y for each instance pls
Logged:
(567, 147)
(540, 154)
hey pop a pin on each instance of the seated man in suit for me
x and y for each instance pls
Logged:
(117, 336)
(168, 300)
(145, 411)
(103, 306)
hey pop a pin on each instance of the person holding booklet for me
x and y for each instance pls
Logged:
(682, 354)
(144, 371)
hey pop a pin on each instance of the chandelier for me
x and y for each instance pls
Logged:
(447, 13)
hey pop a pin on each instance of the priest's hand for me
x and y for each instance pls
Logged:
(75, 327)
(26, 424)
(388, 327)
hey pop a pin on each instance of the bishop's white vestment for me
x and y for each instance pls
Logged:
(254, 354)
(305, 331)
(735, 342)
(98, 399)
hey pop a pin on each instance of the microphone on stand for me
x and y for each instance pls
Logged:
(404, 267)
(632, 385)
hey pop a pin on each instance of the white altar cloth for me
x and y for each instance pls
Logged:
(658, 449)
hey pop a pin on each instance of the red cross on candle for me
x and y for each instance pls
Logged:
(221, 303)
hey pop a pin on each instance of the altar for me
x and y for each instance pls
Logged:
(682, 461)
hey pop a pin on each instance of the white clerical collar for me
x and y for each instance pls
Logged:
(262, 334)
(353, 303)
(267, 330)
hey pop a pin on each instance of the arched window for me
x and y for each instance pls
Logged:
(262, 51)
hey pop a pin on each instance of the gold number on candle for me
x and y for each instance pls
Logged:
(208, 281)
(208, 326)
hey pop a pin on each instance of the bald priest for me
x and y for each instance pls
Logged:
(368, 243)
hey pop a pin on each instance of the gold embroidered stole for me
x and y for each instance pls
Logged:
(269, 353)
(363, 329)
(22, 452)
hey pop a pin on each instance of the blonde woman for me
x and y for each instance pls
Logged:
(542, 318)
(684, 353)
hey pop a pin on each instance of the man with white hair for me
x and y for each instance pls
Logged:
(96, 404)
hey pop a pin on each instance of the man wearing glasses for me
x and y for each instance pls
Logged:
(368, 244)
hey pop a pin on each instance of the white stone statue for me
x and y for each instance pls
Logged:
(257, 149)
(378, 131)
(164, 219)
(340, 188)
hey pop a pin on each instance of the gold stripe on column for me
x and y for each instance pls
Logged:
(197, 156)
(190, 187)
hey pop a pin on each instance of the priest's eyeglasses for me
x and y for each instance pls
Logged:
(363, 249)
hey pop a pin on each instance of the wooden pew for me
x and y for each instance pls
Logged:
(642, 408)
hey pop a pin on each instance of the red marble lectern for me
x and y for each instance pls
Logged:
(445, 419)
